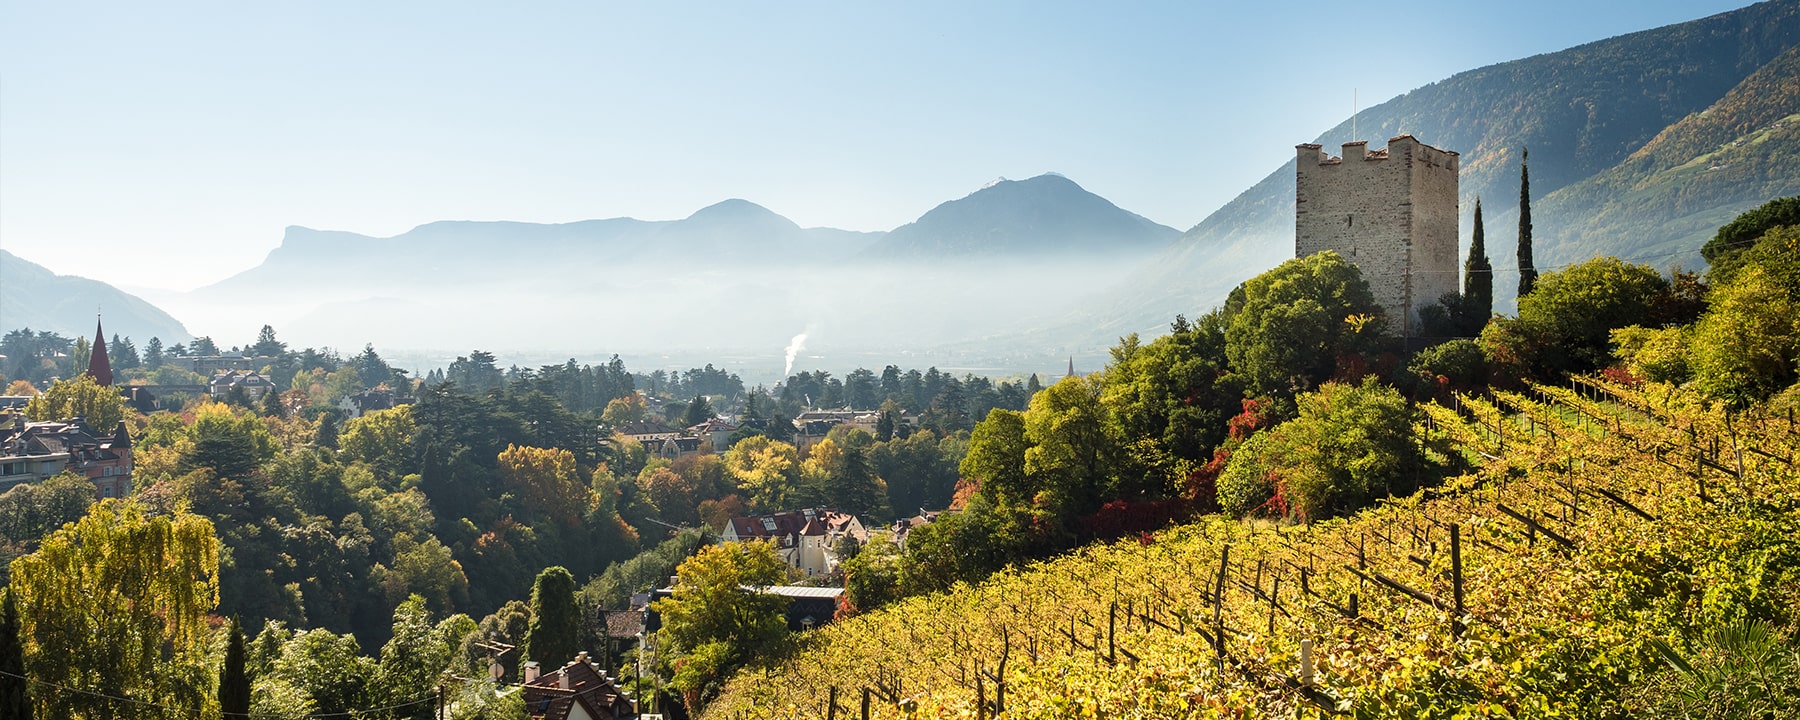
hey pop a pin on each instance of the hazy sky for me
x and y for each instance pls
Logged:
(167, 145)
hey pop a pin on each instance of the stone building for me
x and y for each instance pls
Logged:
(1392, 213)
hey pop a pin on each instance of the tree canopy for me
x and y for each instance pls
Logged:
(97, 617)
(711, 623)
(102, 407)
(1288, 328)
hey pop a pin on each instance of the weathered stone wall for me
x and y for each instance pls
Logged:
(1392, 213)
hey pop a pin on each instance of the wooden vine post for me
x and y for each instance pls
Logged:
(1456, 579)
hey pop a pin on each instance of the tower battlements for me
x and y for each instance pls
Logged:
(1391, 212)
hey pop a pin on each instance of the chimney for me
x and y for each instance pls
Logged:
(563, 681)
(674, 579)
(531, 671)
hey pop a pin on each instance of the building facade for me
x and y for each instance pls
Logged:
(1392, 213)
(32, 452)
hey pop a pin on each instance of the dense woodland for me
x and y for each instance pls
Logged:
(324, 531)
(345, 563)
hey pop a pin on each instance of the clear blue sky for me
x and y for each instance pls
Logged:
(167, 145)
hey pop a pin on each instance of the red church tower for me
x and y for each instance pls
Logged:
(99, 367)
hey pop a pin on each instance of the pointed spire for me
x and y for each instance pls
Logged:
(1071, 366)
(99, 367)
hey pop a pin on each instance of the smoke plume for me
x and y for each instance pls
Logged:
(793, 350)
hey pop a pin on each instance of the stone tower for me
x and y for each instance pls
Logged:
(1392, 213)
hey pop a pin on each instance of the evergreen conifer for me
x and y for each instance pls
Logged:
(15, 702)
(1478, 280)
(555, 632)
(1527, 270)
(234, 679)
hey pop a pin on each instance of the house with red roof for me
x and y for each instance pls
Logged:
(803, 538)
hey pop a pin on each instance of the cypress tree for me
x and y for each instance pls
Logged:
(15, 702)
(234, 679)
(1478, 280)
(1527, 270)
(554, 635)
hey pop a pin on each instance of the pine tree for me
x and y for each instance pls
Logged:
(14, 701)
(1527, 270)
(327, 436)
(234, 679)
(555, 632)
(153, 353)
(1478, 280)
(266, 344)
(271, 405)
(884, 425)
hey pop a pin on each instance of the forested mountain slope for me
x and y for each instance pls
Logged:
(1581, 112)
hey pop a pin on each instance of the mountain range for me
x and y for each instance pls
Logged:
(1641, 145)
(31, 296)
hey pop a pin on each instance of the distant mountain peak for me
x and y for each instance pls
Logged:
(733, 208)
(1048, 213)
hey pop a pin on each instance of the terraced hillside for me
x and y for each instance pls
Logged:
(1604, 520)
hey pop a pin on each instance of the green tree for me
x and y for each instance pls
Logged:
(1349, 445)
(1457, 365)
(231, 445)
(153, 353)
(555, 633)
(996, 458)
(1528, 273)
(1658, 355)
(1746, 346)
(319, 673)
(15, 700)
(424, 568)
(31, 511)
(1073, 450)
(382, 439)
(1478, 280)
(710, 624)
(114, 606)
(1566, 324)
(204, 346)
(415, 654)
(852, 485)
(1288, 328)
(80, 396)
(266, 345)
(122, 353)
(234, 679)
(1171, 398)
(872, 575)
(698, 411)
(884, 423)
(1744, 230)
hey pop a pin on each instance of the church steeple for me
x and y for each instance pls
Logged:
(99, 367)
(1071, 367)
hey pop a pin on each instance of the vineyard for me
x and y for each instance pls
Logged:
(1606, 527)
